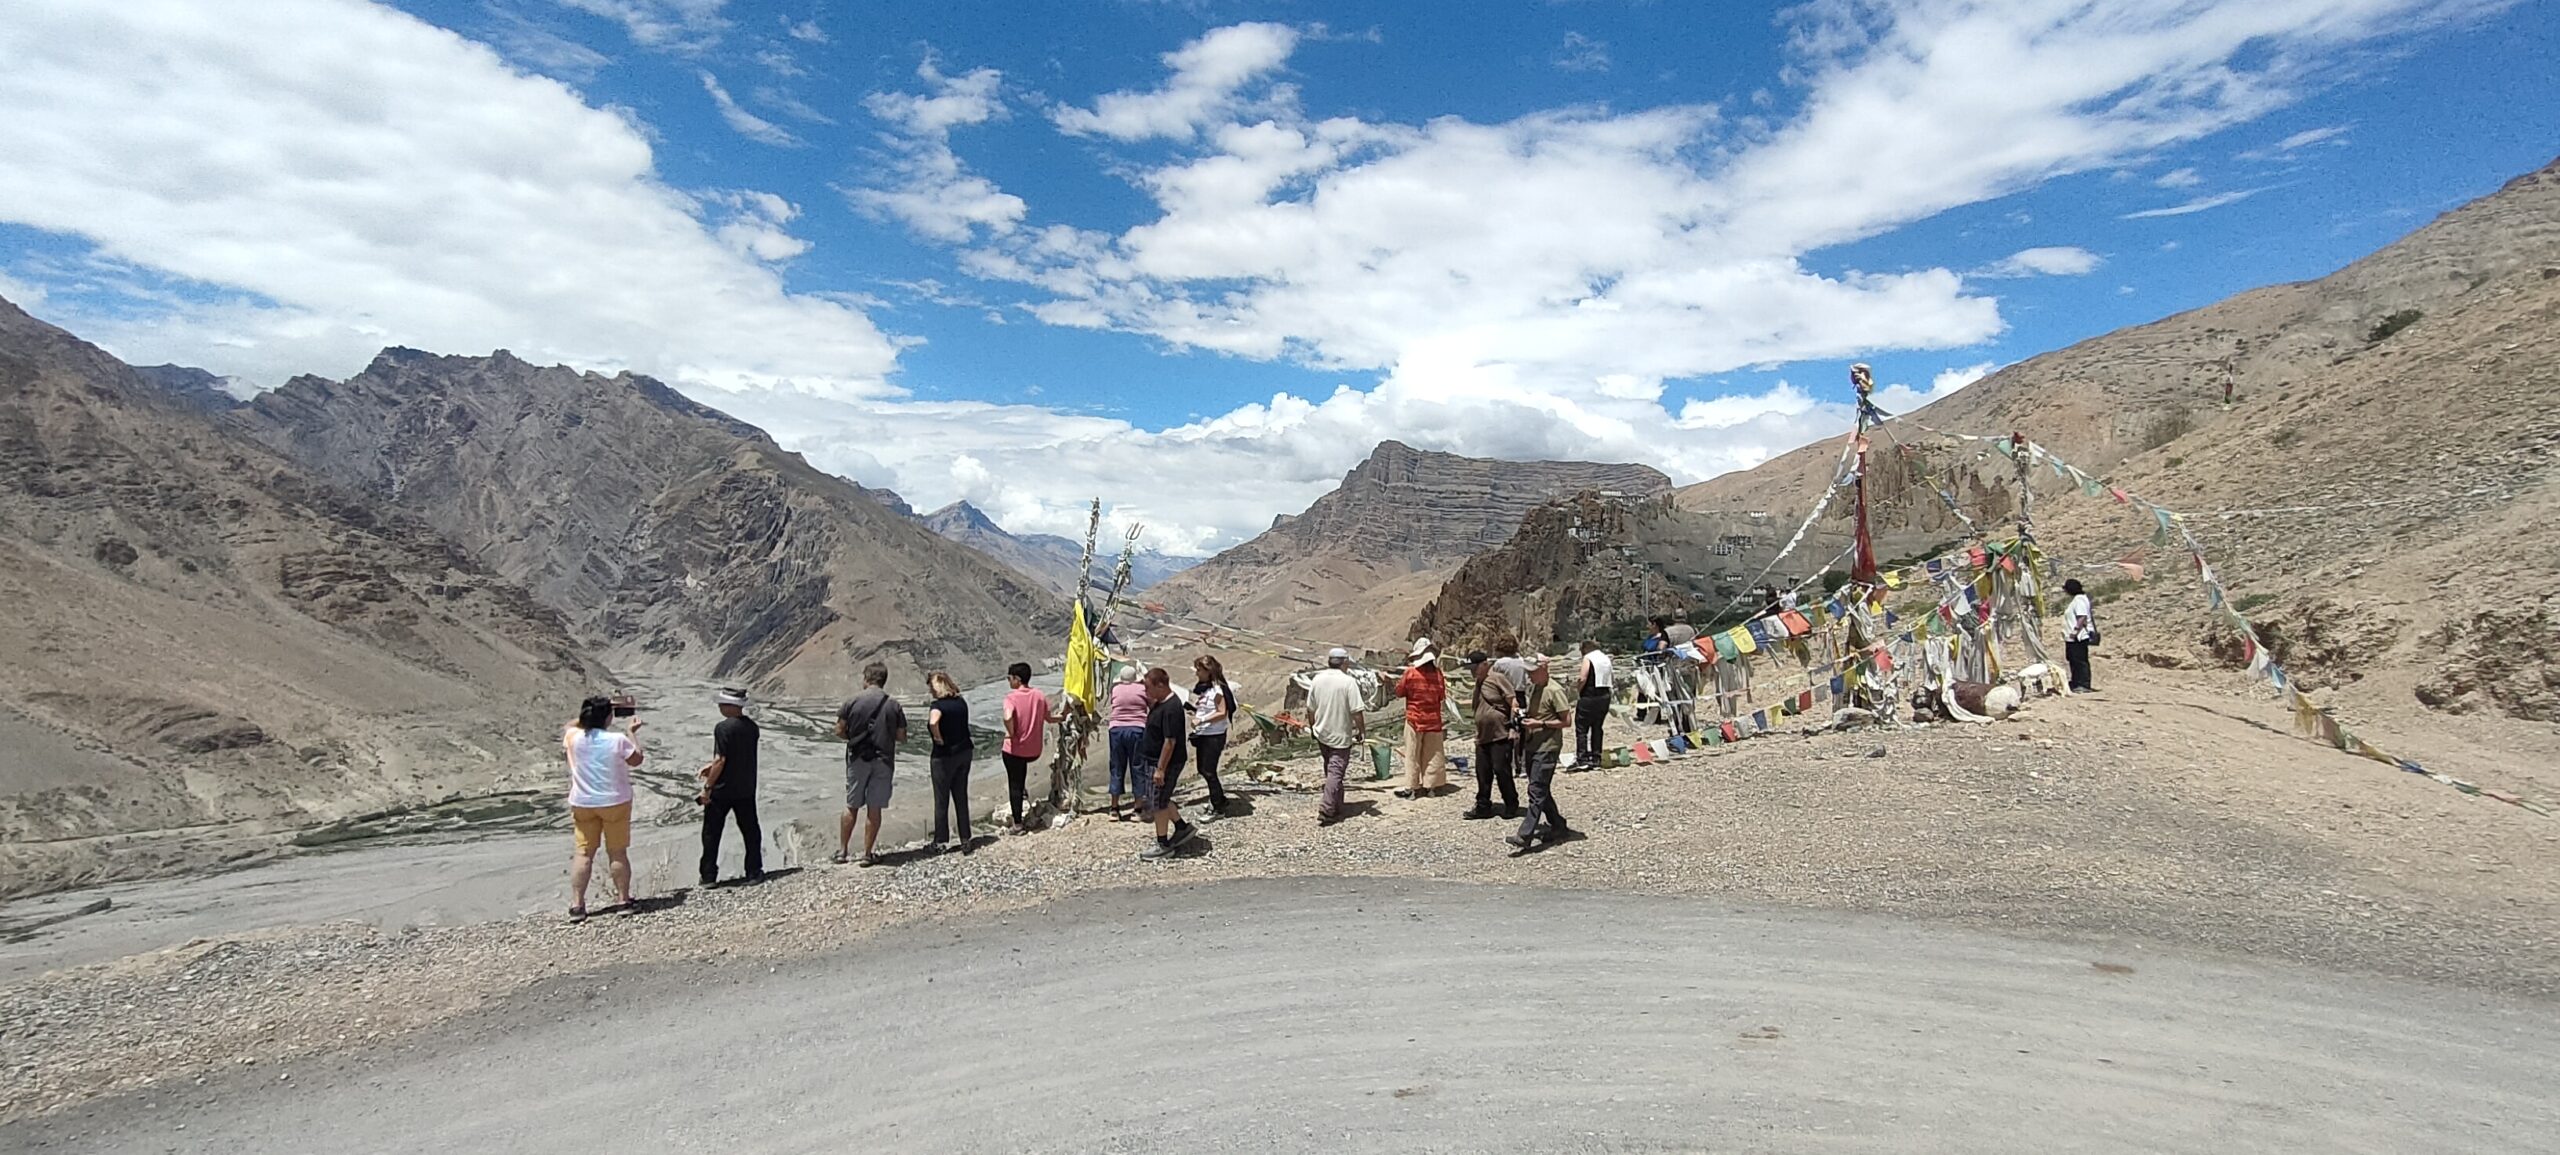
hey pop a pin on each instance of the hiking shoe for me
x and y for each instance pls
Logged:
(1159, 850)
(1476, 813)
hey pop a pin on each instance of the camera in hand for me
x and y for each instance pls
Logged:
(624, 706)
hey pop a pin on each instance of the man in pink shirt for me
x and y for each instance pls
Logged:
(1027, 714)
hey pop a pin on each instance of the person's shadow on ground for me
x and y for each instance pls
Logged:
(658, 902)
(769, 876)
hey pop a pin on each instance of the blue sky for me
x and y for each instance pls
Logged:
(1197, 258)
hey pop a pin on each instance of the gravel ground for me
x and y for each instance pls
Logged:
(1396, 1014)
(2159, 813)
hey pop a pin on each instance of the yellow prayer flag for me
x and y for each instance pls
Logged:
(1082, 656)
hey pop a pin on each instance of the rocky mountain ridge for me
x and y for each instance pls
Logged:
(2376, 495)
(1361, 559)
(204, 636)
(672, 536)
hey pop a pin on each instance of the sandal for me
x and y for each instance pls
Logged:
(840, 859)
(577, 914)
(867, 860)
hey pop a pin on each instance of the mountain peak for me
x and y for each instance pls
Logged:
(960, 517)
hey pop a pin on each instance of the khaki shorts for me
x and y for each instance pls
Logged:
(608, 824)
(866, 783)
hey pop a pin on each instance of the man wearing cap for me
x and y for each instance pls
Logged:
(1334, 715)
(1426, 693)
(1548, 711)
(1496, 710)
(729, 787)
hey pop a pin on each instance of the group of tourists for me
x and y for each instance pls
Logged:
(1519, 711)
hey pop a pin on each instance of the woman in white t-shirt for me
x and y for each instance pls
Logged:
(600, 763)
(1213, 707)
(2079, 632)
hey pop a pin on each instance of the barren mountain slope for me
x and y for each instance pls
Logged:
(2111, 397)
(1402, 512)
(672, 536)
(2378, 498)
(201, 633)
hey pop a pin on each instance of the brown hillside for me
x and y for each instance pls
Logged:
(201, 634)
(2407, 399)
(1363, 558)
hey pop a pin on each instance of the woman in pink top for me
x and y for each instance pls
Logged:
(1128, 718)
(1027, 714)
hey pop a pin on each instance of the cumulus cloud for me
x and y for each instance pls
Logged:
(330, 177)
(746, 124)
(1552, 285)
(925, 184)
(1207, 74)
(2046, 261)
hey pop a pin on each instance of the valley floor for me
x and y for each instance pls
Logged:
(2165, 817)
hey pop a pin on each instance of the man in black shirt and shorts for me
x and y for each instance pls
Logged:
(1163, 756)
(729, 788)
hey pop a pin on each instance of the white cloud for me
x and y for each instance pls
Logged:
(1580, 53)
(2334, 135)
(543, 50)
(2200, 204)
(337, 176)
(1549, 286)
(746, 124)
(785, 102)
(684, 24)
(1899, 398)
(2178, 178)
(754, 227)
(806, 31)
(925, 185)
(1207, 73)
(2045, 261)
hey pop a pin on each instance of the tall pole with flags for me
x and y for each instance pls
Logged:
(1864, 381)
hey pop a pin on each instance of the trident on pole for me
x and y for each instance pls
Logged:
(1863, 380)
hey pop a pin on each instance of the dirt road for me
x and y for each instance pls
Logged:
(1337, 1014)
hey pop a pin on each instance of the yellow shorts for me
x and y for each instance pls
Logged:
(611, 824)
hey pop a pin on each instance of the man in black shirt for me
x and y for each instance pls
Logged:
(1163, 756)
(729, 787)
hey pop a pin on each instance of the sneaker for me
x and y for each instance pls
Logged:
(1159, 850)
(1477, 813)
(1184, 831)
(1517, 842)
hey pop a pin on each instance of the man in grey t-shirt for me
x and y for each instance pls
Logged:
(872, 725)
